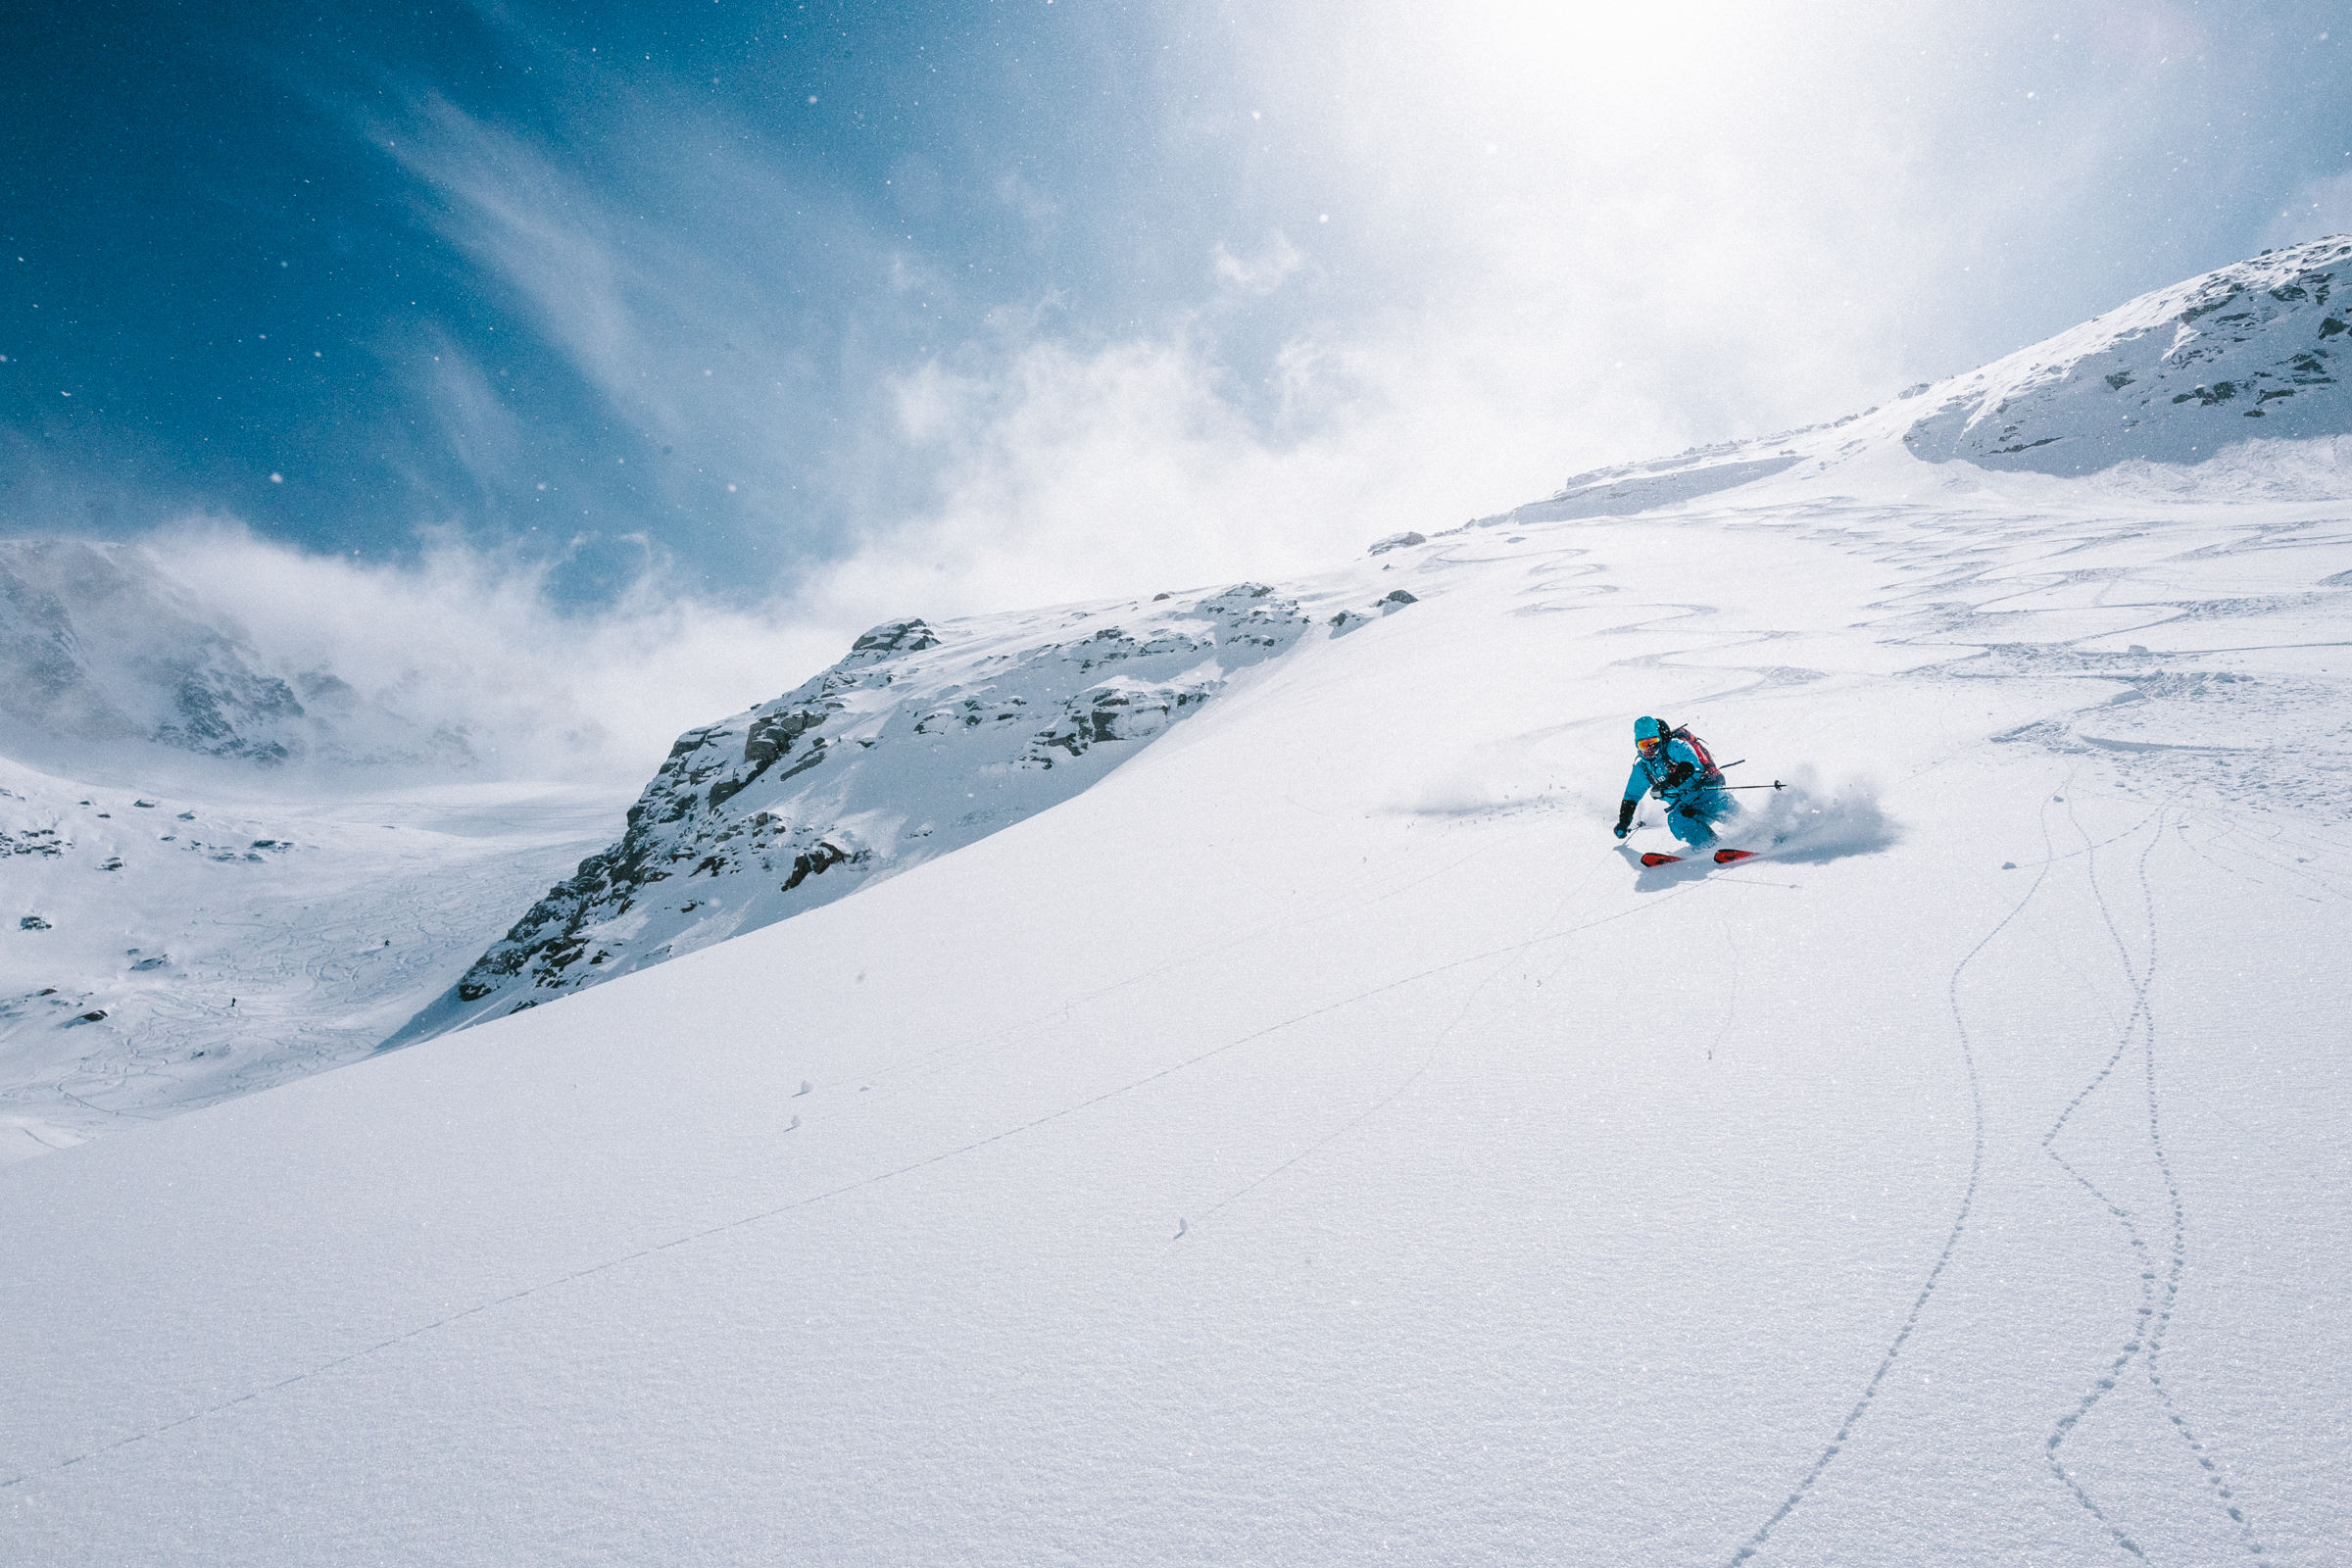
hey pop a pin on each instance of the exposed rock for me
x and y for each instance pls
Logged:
(34, 841)
(1348, 620)
(1398, 541)
(895, 637)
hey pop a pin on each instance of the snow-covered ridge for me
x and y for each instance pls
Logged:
(2173, 377)
(921, 740)
(240, 845)
(2256, 349)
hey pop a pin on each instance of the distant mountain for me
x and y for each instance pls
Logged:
(98, 644)
(922, 740)
(2260, 348)
(2172, 377)
(227, 867)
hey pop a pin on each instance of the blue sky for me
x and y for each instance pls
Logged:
(944, 306)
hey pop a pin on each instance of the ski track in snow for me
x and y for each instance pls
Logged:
(2155, 1312)
(1435, 1046)
(2138, 1017)
(947, 1057)
(1428, 1057)
(1951, 1243)
(2154, 1315)
(1731, 1008)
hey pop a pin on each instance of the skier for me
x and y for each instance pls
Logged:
(1669, 767)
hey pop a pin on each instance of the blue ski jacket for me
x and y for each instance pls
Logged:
(1693, 807)
(1654, 772)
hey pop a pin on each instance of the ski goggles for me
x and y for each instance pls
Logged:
(1649, 742)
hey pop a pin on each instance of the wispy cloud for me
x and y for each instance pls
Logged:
(2318, 209)
(1406, 270)
(1262, 273)
(707, 299)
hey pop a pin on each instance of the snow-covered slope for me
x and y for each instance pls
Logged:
(236, 853)
(959, 730)
(165, 950)
(1319, 1142)
(922, 740)
(2173, 377)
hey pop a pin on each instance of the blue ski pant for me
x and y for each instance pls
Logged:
(1713, 806)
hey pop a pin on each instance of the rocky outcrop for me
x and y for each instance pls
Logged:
(1348, 620)
(920, 741)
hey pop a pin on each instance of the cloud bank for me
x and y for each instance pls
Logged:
(469, 644)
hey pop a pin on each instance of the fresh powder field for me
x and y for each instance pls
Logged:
(1319, 1142)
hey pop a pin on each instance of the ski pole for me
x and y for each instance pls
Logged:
(1776, 784)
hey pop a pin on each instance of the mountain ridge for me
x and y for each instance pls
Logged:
(2116, 388)
(864, 771)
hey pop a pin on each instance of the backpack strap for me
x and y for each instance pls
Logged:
(1710, 775)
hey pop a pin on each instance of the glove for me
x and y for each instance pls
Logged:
(1677, 773)
(1625, 818)
(1691, 811)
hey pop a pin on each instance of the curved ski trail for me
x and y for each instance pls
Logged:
(1951, 1243)
(2154, 1314)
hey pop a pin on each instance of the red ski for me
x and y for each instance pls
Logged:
(1653, 858)
(1726, 856)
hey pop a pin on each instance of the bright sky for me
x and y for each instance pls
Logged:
(928, 307)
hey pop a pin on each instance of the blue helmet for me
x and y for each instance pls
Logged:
(1648, 729)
